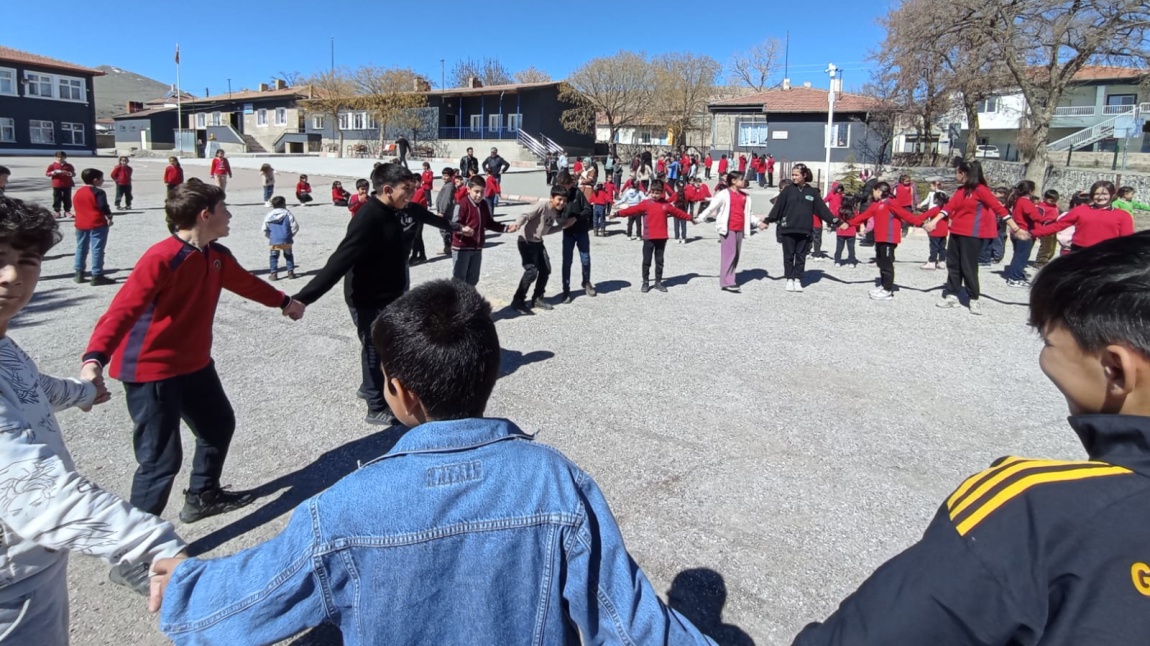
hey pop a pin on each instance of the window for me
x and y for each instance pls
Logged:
(38, 85)
(72, 134)
(345, 121)
(317, 123)
(514, 122)
(372, 124)
(357, 120)
(476, 122)
(201, 120)
(753, 134)
(1121, 99)
(493, 121)
(71, 89)
(41, 132)
(216, 119)
(840, 135)
(281, 116)
(261, 117)
(7, 130)
(8, 81)
(987, 106)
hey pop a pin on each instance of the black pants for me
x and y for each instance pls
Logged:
(372, 385)
(536, 269)
(707, 172)
(962, 264)
(656, 248)
(795, 249)
(403, 157)
(156, 409)
(771, 178)
(124, 191)
(884, 258)
(418, 251)
(849, 243)
(62, 197)
(817, 243)
(446, 233)
(634, 224)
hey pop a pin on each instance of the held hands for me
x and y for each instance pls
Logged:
(763, 225)
(94, 373)
(929, 226)
(467, 232)
(162, 575)
(294, 310)
(1022, 235)
(512, 228)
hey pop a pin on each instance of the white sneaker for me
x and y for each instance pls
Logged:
(940, 265)
(976, 307)
(950, 300)
(882, 295)
(790, 285)
(798, 285)
(929, 265)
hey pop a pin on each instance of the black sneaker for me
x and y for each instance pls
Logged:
(213, 502)
(380, 417)
(567, 298)
(80, 277)
(136, 578)
(645, 288)
(97, 281)
(660, 287)
(361, 393)
(542, 304)
(521, 307)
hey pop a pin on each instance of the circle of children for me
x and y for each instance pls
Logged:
(494, 534)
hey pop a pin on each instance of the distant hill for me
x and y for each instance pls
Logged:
(117, 87)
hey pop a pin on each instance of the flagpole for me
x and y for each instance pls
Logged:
(179, 105)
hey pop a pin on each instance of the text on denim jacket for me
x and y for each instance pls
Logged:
(454, 473)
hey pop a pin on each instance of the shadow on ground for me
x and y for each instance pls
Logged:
(47, 301)
(700, 594)
(512, 360)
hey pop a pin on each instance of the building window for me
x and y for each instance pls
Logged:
(477, 122)
(345, 121)
(357, 120)
(261, 117)
(840, 135)
(201, 120)
(317, 123)
(493, 121)
(8, 81)
(987, 106)
(372, 124)
(216, 119)
(39, 85)
(753, 134)
(281, 116)
(71, 89)
(41, 132)
(7, 130)
(72, 134)
(514, 122)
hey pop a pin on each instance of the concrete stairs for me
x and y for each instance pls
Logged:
(252, 145)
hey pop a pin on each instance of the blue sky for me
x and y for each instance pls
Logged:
(243, 41)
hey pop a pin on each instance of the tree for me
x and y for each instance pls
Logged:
(755, 67)
(532, 75)
(390, 95)
(881, 121)
(331, 93)
(619, 88)
(684, 84)
(292, 79)
(489, 71)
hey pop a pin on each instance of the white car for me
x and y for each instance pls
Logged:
(986, 152)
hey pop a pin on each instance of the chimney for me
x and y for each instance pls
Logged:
(263, 87)
(421, 85)
(786, 84)
(281, 84)
(806, 83)
(135, 106)
(473, 82)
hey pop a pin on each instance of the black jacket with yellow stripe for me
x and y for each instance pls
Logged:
(1026, 552)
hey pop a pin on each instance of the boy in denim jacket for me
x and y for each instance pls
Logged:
(467, 532)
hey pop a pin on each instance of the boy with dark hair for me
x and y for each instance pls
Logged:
(48, 509)
(445, 203)
(4, 173)
(122, 177)
(157, 336)
(544, 219)
(575, 236)
(484, 536)
(372, 262)
(61, 174)
(93, 219)
(474, 213)
(654, 212)
(356, 202)
(1042, 552)
(280, 228)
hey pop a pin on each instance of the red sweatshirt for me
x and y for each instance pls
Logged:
(491, 187)
(609, 186)
(834, 203)
(942, 227)
(968, 216)
(703, 193)
(91, 208)
(461, 193)
(173, 175)
(420, 196)
(338, 194)
(122, 175)
(355, 203)
(742, 163)
(707, 161)
(1026, 215)
(426, 178)
(303, 188)
(1091, 225)
(61, 179)
(159, 325)
(220, 166)
(885, 213)
(724, 164)
(906, 196)
(601, 197)
(654, 216)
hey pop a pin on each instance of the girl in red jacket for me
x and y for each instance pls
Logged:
(887, 235)
(845, 235)
(339, 195)
(654, 212)
(1024, 216)
(426, 178)
(1093, 223)
(937, 257)
(221, 169)
(303, 190)
(173, 174)
(972, 211)
(61, 173)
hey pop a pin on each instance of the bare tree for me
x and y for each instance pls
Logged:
(755, 67)
(684, 84)
(882, 121)
(292, 79)
(489, 71)
(330, 94)
(618, 87)
(532, 75)
(389, 95)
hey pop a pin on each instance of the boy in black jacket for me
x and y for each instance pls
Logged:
(1042, 552)
(576, 235)
(373, 255)
(445, 204)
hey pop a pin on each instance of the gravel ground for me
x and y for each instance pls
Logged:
(763, 452)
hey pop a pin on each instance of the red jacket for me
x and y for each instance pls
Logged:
(684, 163)
(885, 213)
(577, 168)
(420, 196)
(427, 178)
(1091, 225)
(62, 179)
(601, 197)
(338, 194)
(461, 193)
(707, 161)
(654, 214)
(122, 175)
(173, 175)
(834, 202)
(968, 216)
(221, 166)
(609, 186)
(91, 207)
(661, 165)
(724, 164)
(491, 187)
(742, 163)
(478, 217)
(354, 203)
(1026, 214)
(770, 164)
(703, 193)
(942, 227)
(906, 196)
(159, 324)
(303, 187)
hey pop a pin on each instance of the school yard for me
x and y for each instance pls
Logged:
(763, 452)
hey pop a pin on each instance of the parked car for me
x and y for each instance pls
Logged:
(986, 152)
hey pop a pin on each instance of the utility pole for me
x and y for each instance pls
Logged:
(229, 88)
(442, 75)
(333, 54)
(832, 70)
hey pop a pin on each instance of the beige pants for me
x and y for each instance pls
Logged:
(222, 181)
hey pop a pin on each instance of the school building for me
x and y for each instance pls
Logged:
(45, 105)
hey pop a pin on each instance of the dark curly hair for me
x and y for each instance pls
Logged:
(28, 226)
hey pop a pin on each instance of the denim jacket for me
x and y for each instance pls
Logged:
(467, 532)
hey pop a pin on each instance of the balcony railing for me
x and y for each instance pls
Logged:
(1074, 111)
(1113, 110)
(477, 133)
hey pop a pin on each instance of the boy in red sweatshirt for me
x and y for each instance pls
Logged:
(122, 177)
(654, 212)
(61, 173)
(157, 336)
(475, 212)
(93, 218)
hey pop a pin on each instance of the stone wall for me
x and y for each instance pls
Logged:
(1064, 180)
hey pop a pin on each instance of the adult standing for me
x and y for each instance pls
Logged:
(969, 226)
(402, 146)
(731, 210)
(373, 256)
(495, 165)
(211, 147)
(575, 236)
(468, 163)
(795, 210)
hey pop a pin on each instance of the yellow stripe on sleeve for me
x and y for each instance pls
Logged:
(1004, 473)
(972, 480)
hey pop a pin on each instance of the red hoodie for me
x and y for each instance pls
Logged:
(91, 207)
(968, 216)
(122, 175)
(426, 178)
(654, 214)
(1091, 225)
(173, 175)
(885, 213)
(492, 187)
(724, 164)
(220, 166)
(64, 179)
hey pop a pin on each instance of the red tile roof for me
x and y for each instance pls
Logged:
(7, 54)
(248, 95)
(802, 99)
(1105, 73)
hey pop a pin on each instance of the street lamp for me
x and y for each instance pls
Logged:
(832, 70)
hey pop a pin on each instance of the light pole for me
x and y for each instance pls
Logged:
(333, 54)
(832, 70)
(442, 75)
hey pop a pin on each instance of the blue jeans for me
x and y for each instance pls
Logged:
(600, 216)
(97, 239)
(993, 248)
(680, 229)
(570, 241)
(275, 259)
(492, 202)
(268, 190)
(937, 249)
(1016, 270)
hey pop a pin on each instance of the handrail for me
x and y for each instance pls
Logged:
(1119, 109)
(551, 145)
(1074, 111)
(1086, 136)
(529, 142)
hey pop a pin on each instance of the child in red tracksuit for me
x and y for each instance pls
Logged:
(339, 195)
(937, 237)
(303, 190)
(491, 192)
(173, 174)
(93, 218)
(845, 235)
(600, 202)
(654, 212)
(61, 173)
(356, 202)
(426, 178)
(887, 235)
(122, 177)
